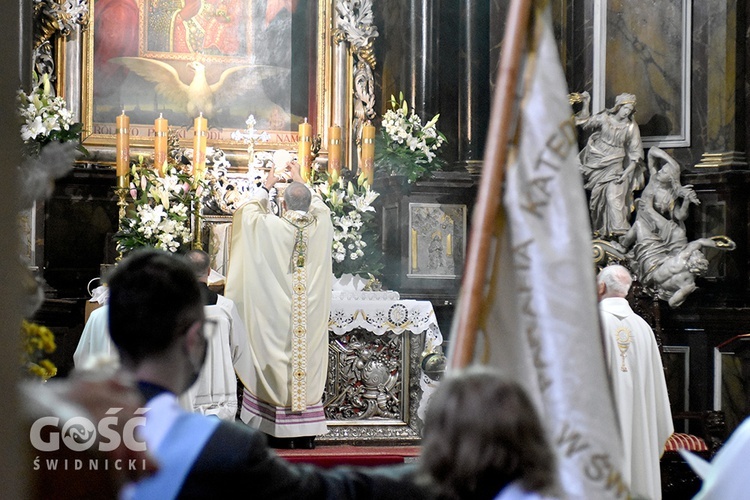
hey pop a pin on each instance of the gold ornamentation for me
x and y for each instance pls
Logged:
(299, 309)
(624, 337)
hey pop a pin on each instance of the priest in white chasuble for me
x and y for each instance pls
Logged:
(280, 276)
(638, 384)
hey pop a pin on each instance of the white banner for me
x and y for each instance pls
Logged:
(542, 319)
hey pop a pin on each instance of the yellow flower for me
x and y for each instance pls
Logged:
(37, 340)
(49, 367)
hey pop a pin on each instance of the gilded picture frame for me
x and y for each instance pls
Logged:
(267, 50)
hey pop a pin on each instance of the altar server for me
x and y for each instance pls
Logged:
(215, 392)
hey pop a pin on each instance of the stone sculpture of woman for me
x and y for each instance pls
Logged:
(664, 192)
(611, 164)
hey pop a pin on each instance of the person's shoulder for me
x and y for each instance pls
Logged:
(514, 491)
(224, 307)
(99, 312)
(224, 301)
(234, 439)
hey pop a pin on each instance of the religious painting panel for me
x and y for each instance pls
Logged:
(437, 235)
(226, 59)
(643, 47)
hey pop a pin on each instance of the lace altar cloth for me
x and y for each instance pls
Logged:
(364, 295)
(379, 316)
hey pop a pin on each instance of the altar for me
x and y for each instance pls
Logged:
(376, 391)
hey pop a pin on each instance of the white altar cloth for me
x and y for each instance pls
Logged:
(380, 316)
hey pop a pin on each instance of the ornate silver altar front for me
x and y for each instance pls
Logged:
(376, 391)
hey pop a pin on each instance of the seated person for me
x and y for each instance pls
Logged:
(483, 440)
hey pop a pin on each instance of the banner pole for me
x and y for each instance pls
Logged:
(490, 187)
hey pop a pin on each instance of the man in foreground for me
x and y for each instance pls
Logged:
(157, 322)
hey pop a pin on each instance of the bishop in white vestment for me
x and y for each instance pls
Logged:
(280, 277)
(638, 383)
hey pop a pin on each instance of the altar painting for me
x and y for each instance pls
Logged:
(226, 59)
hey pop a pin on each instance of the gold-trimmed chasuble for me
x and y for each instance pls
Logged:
(298, 269)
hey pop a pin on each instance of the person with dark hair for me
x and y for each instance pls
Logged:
(483, 440)
(638, 383)
(215, 392)
(280, 276)
(158, 324)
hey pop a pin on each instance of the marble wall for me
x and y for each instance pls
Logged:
(643, 42)
(438, 55)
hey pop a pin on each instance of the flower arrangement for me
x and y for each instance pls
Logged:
(406, 146)
(38, 342)
(354, 248)
(162, 208)
(46, 117)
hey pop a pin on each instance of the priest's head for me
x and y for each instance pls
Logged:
(613, 281)
(297, 196)
(200, 262)
(156, 319)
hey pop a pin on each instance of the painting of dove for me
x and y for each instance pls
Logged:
(195, 94)
(226, 59)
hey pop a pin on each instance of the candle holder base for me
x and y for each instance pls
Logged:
(122, 203)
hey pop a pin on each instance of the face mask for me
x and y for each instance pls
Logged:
(196, 367)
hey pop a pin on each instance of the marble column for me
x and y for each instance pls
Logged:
(422, 57)
(473, 82)
(721, 113)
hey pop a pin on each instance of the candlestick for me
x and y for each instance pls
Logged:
(199, 146)
(122, 126)
(304, 147)
(368, 151)
(334, 149)
(161, 129)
